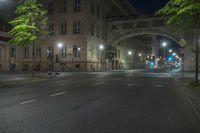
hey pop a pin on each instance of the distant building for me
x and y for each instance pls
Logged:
(76, 28)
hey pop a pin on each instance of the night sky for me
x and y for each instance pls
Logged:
(148, 6)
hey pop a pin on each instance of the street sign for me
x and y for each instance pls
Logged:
(182, 42)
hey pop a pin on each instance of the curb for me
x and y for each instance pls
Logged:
(187, 96)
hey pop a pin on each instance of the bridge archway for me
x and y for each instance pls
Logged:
(130, 34)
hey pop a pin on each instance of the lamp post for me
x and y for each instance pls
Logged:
(164, 44)
(60, 46)
(129, 58)
(101, 48)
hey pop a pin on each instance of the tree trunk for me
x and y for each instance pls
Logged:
(197, 63)
(33, 60)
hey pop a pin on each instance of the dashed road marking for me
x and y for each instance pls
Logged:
(117, 78)
(134, 85)
(97, 84)
(56, 94)
(158, 86)
(29, 101)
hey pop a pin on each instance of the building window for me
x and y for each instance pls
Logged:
(13, 53)
(51, 29)
(76, 26)
(143, 24)
(63, 29)
(0, 52)
(127, 25)
(50, 7)
(2, 9)
(98, 11)
(103, 34)
(103, 14)
(63, 6)
(76, 51)
(98, 32)
(50, 53)
(64, 52)
(38, 52)
(92, 7)
(92, 29)
(13, 12)
(157, 23)
(114, 27)
(26, 53)
(77, 5)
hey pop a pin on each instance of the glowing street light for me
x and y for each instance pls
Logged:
(60, 45)
(101, 47)
(170, 51)
(139, 54)
(164, 44)
(129, 53)
(174, 54)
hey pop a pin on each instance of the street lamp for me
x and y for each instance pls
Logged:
(174, 54)
(170, 51)
(164, 44)
(60, 45)
(139, 54)
(129, 53)
(101, 48)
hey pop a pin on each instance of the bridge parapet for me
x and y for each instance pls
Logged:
(124, 27)
(130, 22)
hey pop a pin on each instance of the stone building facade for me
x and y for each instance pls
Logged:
(76, 30)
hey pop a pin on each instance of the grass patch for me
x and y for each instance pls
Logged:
(194, 85)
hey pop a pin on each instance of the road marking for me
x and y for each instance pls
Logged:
(97, 84)
(29, 101)
(134, 85)
(57, 89)
(117, 78)
(158, 86)
(56, 94)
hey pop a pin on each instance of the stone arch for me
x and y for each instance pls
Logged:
(130, 34)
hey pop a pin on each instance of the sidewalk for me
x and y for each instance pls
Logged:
(15, 77)
(193, 93)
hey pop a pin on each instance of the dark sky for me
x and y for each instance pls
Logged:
(148, 6)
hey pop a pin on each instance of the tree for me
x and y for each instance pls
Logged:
(186, 15)
(29, 25)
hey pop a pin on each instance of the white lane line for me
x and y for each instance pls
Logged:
(117, 78)
(29, 101)
(56, 94)
(134, 85)
(97, 84)
(158, 86)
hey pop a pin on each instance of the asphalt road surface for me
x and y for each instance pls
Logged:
(110, 102)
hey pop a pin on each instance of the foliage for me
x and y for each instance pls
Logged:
(184, 13)
(29, 24)
(193, 85)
